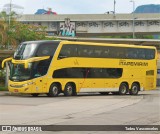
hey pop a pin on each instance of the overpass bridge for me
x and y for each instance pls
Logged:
(96, 24)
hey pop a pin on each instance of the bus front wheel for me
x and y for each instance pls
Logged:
(69, 90)
(134, 89)
(54, 90)
(123, 89)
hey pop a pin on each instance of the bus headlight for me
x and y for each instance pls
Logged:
(24, 85)
(29, 83)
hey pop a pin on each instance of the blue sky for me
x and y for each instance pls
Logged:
(78, 6)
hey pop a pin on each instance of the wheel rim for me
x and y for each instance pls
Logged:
(69, 90)
(123, 90)
(134, 89)
(55, 90)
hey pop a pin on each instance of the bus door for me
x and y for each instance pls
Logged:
(97, 83)
(85, 82)
(111, 78)
(39, 71)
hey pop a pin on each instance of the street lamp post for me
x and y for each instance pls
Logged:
(114, 8)
(10, 6)
(9, 19)
(133, 26)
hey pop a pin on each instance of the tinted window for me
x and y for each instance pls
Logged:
(68, 51)
(25, 51)
(46, 49)
(88, 73)
(69, 73)
(105, 52)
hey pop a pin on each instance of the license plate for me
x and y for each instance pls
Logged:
(15, 90)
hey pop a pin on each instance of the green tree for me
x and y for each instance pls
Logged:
(15, 32)
(6, 37)
(3, 32)
(27, 32)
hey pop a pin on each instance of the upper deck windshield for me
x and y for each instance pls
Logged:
(25, 51)
(35, 49)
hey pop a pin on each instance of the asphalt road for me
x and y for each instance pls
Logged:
(84, 109)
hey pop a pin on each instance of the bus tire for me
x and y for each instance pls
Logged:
(123, 89)
(104, 93)
(35, 94)
(134, 89)
(54, 90)
(69, 90)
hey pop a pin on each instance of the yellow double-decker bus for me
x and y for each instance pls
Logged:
(70, 67)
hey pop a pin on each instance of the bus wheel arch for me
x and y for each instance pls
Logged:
(54, 89)
(123, 88)
(70, 89)
(135, 88)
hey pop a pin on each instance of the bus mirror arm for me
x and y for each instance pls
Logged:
(26, 62)
(6, 60)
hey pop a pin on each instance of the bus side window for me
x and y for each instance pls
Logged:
(132, 53)
(82, 51)
(150, 54)
(122, 53)
(113, 52)
(90, 53)
(106, 53)
(140, 54)
(98, 53)
(85, 53)
(114, 72)
(68, 51)
(46, 49)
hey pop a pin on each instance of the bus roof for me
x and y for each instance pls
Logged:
(42, 41)
(88, 43)
(108, 44)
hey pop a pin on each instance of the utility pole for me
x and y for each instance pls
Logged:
(114, 7)
(133, 15)
(10, 9)
(9, 19)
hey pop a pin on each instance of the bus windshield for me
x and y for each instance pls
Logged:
(19, 73)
